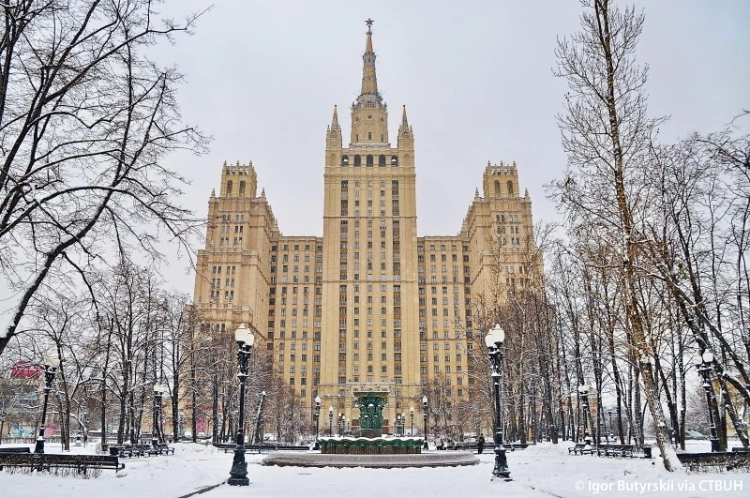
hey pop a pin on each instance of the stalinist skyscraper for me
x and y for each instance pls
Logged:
(370, 304)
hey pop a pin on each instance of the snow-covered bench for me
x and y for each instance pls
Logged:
(48, 461)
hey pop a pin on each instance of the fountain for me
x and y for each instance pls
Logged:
(370, 440)
(370, 448)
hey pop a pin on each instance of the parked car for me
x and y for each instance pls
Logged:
(694, 435)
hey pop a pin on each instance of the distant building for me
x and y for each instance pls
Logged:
(370, 304)
(20, 399)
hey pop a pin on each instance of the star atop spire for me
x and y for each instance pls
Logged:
(368, 47)
(369, 91)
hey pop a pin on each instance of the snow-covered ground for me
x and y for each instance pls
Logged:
(540, 471)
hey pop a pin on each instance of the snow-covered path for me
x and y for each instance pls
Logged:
(541, 471)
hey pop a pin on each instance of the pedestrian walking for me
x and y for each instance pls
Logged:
(480, 444)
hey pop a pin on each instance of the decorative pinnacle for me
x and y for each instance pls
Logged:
(369, 22)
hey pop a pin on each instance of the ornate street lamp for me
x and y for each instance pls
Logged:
(424, 427)
(583, 390)
(704, 362)
(156, 436)
(245, 341)
(330, 420)
(411, 419)
(317, 422)
(494, 341)
(51, 363)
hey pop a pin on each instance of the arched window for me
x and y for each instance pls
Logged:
(381, 160)
(497, 187)
(229, 187)
(369, 160)
(357, 160)
(242, 187)
(510, 187)
(394, 160)
(344, 160)
(369, 135)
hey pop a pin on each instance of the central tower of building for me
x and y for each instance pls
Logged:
(370, 252)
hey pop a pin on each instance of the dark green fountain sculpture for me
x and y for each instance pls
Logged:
(371, 440)
(371, 404)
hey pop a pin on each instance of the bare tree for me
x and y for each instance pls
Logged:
(85, 121)
(606, 133)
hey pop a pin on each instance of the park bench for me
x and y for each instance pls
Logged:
(49, 461)
(615, 450)
(129, 451)
(574, 449)
(160, 449)
(15, 449)
(735, 449)
(581, 449)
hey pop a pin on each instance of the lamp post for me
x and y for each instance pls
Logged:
(156, 434)
(317, 422)
(611, 432)
(583, 390)
(330, 420)
(494, 341)
(703, 362)
(411, 420)
(424, 427)
(245, 341)
(50, 369)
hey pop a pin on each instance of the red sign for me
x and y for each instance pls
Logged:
(25, 370)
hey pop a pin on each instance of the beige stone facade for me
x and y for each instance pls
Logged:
(370, 304)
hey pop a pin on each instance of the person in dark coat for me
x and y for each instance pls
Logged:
(480, 444)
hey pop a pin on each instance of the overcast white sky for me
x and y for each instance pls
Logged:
(475, 76)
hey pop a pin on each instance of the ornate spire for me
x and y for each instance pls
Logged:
(404, 127)
(369, 78)
(335, 122)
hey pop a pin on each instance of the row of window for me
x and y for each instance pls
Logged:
(443, 247)
(295, 269)
(230, 270)
(369, 158)
(285, 258)
(238, 218)
(446, 324)
(345, 203)
(443, 258)
(216, 282)
(296, 280)
(230, 186)
(370, 183)
(227, 229)
(444, 269)
(512, 218)
(508, 184)
(225, 241)
(285, 247)
(228, 295)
